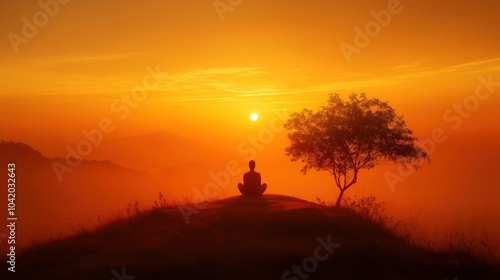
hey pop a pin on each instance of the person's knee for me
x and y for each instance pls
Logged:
(262, 189)
(242, 189)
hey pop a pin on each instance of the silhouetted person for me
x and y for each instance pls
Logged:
(251, 182)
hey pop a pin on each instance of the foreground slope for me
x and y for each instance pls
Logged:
(242, 238)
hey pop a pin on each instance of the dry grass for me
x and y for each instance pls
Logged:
(454, 243)
(245, 238)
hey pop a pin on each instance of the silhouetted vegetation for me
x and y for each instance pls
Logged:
(455, 244)
(246, 237)
(344, 137)
(10, 148)
(161, 202)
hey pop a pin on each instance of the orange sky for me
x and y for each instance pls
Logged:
(262, 57)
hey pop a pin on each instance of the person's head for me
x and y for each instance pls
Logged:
(251, 164)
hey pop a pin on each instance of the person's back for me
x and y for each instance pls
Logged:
(252, 182)
(251, 179)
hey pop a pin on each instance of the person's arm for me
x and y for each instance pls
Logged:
(258, 179)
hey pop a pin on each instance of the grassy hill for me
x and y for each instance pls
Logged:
(269, 237)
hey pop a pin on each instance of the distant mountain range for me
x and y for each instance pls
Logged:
(115, 173)
(93, 188)
(153, 152)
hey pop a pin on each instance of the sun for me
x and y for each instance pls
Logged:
(254, 116)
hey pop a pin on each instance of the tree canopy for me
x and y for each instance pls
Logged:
(346, 136)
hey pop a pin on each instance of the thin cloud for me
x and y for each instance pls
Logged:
(251, 84)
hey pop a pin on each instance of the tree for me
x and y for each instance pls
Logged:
(344, 137)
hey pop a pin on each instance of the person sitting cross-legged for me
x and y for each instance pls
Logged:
(251, 182)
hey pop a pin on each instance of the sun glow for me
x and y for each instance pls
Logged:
(254, 116)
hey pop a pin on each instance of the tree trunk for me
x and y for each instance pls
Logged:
(339, 199)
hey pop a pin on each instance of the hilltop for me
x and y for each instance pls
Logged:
(242, 238)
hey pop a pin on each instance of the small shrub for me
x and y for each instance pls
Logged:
(133, 208)
(368, 207)
(320, 201)
(455, 243)
(161, 202)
